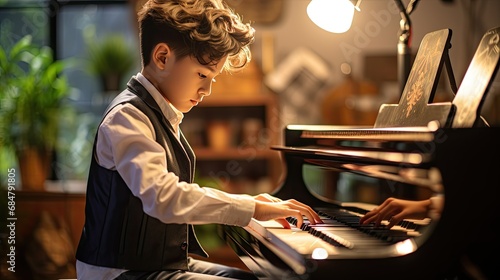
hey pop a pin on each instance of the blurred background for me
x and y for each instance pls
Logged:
(300, 74)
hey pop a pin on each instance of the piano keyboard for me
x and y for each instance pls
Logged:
(340, 235)
(341, 228)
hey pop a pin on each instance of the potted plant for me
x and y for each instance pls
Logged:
(32, 93)
(110, 60)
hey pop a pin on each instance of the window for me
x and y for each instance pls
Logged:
(67, 27)
(20, 18)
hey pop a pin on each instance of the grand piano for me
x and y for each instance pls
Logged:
(416, 150)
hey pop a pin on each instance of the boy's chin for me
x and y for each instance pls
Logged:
(186, 110)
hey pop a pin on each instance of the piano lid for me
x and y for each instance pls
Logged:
(376, 156)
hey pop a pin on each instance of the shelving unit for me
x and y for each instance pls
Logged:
(231, 135)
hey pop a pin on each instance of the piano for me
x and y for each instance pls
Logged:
(345, 171)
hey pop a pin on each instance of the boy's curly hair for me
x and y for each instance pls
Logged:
(205, 29)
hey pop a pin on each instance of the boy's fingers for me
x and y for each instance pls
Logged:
(306, 210)
(284, 223)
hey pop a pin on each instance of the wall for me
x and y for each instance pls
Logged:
(375, 31)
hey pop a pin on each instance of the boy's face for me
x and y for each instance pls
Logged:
(183, 82)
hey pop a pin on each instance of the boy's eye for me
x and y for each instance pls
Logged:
(204, 77)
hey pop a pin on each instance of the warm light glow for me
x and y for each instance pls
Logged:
(319, 254)
(405, 247)
(331, 15)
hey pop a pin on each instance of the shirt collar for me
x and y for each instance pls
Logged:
(173, 115)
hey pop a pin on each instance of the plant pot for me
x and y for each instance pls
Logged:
(33, 166)
(111, 82)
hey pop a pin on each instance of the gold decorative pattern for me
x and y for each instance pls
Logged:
(486, 56)
(418, 83)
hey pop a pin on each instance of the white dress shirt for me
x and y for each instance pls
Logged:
(126, 143)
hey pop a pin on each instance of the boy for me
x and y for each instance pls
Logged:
(141, 201)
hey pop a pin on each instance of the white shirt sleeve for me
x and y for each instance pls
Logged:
(126, 143)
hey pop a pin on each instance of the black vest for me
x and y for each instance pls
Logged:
(117, 233)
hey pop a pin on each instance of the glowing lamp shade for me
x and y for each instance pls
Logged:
(331, 15)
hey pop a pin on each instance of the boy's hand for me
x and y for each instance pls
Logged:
(268, 207)
(395, 210)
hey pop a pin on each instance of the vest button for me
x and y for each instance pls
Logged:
(184, 245)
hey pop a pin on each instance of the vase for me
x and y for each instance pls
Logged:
(111, 82)
(33, 166)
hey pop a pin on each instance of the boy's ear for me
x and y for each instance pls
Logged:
(161, 54)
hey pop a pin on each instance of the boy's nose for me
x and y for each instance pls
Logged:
(206, 91)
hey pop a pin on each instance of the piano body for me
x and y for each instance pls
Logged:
(343, 172)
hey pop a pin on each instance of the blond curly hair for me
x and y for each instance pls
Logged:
(205, 29)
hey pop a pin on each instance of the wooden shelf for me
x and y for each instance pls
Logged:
(222, 125)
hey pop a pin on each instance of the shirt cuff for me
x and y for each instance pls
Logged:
(241, 210)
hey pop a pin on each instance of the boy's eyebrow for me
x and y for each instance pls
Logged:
(211, 68)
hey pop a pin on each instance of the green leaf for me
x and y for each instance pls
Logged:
(33, 89)
(22, 45)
